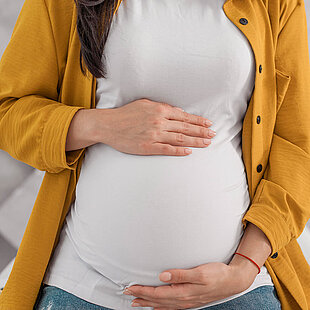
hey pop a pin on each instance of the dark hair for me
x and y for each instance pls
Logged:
(94, 18)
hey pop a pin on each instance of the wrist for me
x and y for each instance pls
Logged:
(244, 270)
(81, 130)
(100, 127)
(242, 263)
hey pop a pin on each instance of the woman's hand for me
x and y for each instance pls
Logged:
(146, 127)
(198, 286)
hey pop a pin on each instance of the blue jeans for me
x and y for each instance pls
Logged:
(54, 298)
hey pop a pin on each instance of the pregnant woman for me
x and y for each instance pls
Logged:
(159, 160)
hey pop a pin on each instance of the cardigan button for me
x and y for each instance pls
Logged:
(243, 21)
(275, 255)
(259, 168)
(258, 119)
(260, 68)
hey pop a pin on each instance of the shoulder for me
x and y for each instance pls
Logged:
(49, 24)
(57, 13)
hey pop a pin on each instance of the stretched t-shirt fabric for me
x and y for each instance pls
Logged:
(135, 216)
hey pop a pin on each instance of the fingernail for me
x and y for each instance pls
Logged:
(208, 123)
(166, 276)
(212, 133)
(135, 304)
(127, 292)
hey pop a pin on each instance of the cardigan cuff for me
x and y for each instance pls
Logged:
(266, 215)
(54, 137)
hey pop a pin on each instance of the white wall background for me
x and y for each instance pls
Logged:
(19, 183)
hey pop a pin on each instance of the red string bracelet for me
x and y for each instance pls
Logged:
(250, 260)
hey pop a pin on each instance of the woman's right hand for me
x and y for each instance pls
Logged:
(146, 127)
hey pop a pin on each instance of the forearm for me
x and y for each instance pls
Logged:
(87, 127)
(253, 244)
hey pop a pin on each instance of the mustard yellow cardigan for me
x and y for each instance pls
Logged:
(42, 87)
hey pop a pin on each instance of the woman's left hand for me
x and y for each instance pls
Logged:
(198, 286)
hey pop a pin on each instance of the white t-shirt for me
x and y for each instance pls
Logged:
(135, 216)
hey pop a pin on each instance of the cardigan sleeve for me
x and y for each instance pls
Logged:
(33, 124)
(281, 204)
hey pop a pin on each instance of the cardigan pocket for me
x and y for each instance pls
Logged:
(283, 81)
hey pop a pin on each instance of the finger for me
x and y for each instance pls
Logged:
(188, 129)
(174, 139)
(192, 275)
(180, 109)
(173, 113)
(167, 292)
(157, 148)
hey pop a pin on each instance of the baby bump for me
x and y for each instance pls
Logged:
(136, 219)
